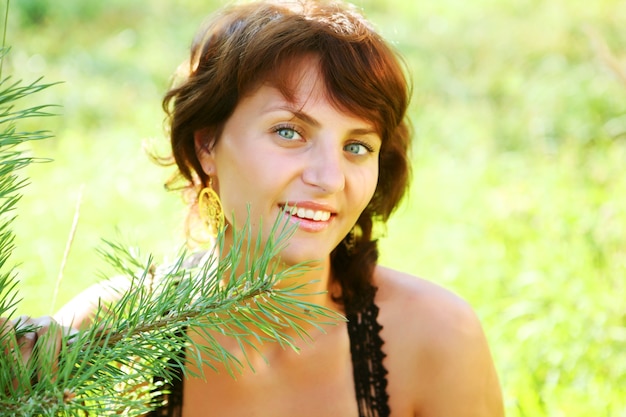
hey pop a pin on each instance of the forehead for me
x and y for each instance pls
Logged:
(300, 82)
(294, 78)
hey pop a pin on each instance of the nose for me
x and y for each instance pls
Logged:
(325, 168)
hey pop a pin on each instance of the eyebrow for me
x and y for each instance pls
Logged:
(315, 123)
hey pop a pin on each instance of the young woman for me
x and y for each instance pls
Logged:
(299, 110)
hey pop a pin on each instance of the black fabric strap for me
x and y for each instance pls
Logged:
(170, 392)
(370, 375)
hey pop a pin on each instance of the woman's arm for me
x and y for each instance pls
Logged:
(80, 311)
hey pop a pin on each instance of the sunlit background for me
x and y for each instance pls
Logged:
(519, 195)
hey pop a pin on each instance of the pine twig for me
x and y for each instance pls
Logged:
(4, 35)
(110, 366)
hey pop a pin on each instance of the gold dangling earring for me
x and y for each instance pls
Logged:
(210, 209)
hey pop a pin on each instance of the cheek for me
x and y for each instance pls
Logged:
(364, 187)
(245, 189)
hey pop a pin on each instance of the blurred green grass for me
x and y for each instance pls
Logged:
(517, 202)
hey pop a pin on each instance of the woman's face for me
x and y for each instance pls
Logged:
(303, 156)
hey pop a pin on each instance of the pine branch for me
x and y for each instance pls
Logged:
(11, 161)
(136, 338)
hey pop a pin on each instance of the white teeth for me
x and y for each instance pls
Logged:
(316, 215)
(302, 213)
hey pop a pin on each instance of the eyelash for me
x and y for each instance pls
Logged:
(367, 146)
(287, 126)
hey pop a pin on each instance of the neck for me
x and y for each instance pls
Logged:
(310, 284)
(313, 281)
(314, 285)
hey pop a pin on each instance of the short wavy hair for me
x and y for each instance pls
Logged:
(243, 46)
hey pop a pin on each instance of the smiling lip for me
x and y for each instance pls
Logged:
(310, 216)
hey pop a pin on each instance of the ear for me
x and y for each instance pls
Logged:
(201, 140)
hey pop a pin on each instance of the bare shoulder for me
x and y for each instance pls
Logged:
(437, 352)
(422, 305)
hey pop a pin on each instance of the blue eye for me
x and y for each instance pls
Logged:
(357, 148)
(288, 133)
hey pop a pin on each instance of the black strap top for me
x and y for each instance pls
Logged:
(370, 375)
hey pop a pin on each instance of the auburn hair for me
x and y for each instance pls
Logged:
(245, 45)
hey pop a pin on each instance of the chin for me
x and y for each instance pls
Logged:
(292, 255)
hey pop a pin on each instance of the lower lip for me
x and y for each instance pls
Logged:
(309, 225)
